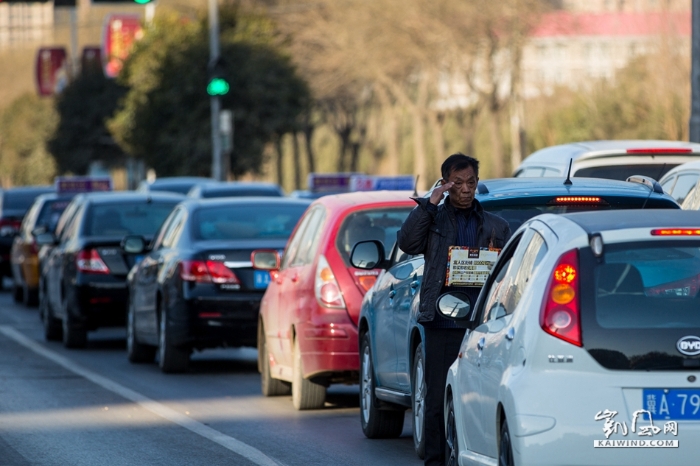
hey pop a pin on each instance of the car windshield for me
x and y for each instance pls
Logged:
(126, 218)
(246, 221)
(50, 213)
(374, 224)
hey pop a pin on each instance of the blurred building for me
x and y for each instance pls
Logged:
(25, 23)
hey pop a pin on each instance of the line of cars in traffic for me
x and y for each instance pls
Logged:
(326, 295)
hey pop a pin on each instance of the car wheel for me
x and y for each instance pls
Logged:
(269, 385)
(505, 448)
(418, 401)
(74, 334)
(305, 393)
(53, 331)
(17, 294)
(171, 359)
(136, 352)
(451, 444)
(376, 423)
(30, 298)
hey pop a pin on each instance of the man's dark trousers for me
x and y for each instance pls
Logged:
(441, 349)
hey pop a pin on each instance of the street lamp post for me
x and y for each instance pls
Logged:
(216, 171)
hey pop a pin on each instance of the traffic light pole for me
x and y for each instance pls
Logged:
(216, 165)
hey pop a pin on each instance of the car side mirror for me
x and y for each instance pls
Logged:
(455, 305)
(45, 239)
(133, 244)
(368, 255)
(263, 259)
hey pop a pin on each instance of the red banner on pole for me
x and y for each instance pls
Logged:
(118, 37)
(51, 70)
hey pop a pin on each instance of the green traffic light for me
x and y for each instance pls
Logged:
(142, 2)
(218, 86)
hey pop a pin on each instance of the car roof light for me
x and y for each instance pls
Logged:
(660, 150)
(675, 232)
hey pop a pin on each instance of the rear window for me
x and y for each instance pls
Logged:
(379, 224)
(50, 213)
(622, 172)
(516, 215)
(244, 222)
(262, 192)
(126, 219)
(20, 200)
(645, 298)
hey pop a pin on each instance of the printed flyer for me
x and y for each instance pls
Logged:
(469, 266)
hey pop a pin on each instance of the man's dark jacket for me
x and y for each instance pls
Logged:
(432, 232)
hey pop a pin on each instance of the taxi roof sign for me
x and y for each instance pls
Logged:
(329, 182)
(382, 183)
(82, 184)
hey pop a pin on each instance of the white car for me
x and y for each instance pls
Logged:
(584, 346)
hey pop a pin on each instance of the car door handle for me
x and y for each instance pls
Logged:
(511, 334)
(415, 284)
(480, 344)
(392, 293)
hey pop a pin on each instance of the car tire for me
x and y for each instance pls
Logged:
(505, 447)
(269, 385)
(17, 294)
(305, 393)
(418, 401)
(74, 335)
(53, 331)
(171, 359)
(30, 298)
(135, 351)
(376, 423)
(452, 442)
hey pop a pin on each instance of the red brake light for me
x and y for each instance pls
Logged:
(89, 261)
(676, 232)
(326, 287)
(561, 314)
(207, 272)
(577, 200)
(661, 150)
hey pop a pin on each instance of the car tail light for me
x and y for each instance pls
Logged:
(207, 272)
(561, 314)
(89, 261)
(660, 150)
(326, 286)
(365, 279)
(578, 200)
(675, 232)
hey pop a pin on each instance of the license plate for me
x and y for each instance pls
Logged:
(261, 278)
(673, 404)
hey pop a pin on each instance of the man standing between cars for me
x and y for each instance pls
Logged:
(431, 229)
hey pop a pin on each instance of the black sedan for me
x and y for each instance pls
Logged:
(196, 288)
(83, 276)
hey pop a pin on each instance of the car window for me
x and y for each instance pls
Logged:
(513, 278)
(29, 221)
(72, 224)
(295, 241)
(370, 224)
(127, 218)
(530, 172)
(622, 172)
(175, 225)
(668, 184)
(158, 240)
(309, 242)
(50, 213)
(66, 217)
(244, 221)
(683, 186)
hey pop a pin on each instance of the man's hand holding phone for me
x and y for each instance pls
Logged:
(438, 192)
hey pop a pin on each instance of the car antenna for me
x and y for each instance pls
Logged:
(651, 190)
(415, 186)
(567, 181)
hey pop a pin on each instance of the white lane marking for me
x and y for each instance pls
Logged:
(228, 442)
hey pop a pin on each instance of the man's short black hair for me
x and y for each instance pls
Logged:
(456, 162)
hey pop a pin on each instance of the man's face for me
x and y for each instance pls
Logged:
(463, 188)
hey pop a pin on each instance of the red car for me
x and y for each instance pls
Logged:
(307, 331)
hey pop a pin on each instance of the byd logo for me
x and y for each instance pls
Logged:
(689, 345)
